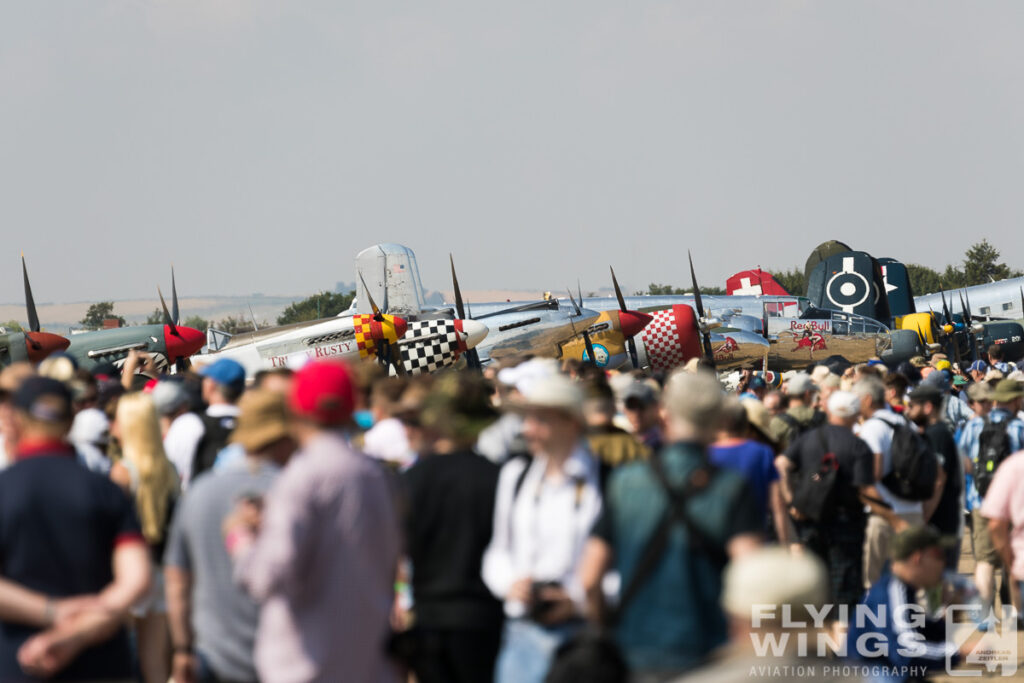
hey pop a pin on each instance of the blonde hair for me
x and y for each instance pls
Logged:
(142, 447)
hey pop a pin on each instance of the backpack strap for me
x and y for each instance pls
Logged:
(675, 512)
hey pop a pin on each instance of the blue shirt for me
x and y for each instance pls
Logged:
(906, 638)
(754, 460)
(675, 619)
(968, 445)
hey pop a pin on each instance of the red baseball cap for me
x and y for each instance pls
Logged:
(323, 392)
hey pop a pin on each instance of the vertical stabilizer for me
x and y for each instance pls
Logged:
(391, 273)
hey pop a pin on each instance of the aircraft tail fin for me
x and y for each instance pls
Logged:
(393, 278)
(754, 281)
(852, 282)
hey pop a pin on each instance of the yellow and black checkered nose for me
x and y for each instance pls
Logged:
(369, 331)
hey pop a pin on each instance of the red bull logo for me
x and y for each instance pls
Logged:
(812, 340)
(727, 349)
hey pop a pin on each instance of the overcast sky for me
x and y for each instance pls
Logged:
(260, 145)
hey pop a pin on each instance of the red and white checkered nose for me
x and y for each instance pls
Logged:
(671, 338)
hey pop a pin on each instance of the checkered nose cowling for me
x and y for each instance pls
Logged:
(671, 338)
(431, 344)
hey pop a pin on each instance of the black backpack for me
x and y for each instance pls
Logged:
(813, 495)
(799, 427)
(215, 437)
(915, 466)
(993, 449)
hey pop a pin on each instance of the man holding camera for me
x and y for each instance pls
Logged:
(545, 508)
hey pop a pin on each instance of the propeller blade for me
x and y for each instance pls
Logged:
(458, 292)
(30, 303)
(633, 355)
(472, 357)
(369, 297)
(574, 304)
(963, 309)
(696, 289)
(967, 297)
(945, 309)
(708, 352)
(579, 291)
(590, 348)
(618, 290)
(167, 315)
(174, 299)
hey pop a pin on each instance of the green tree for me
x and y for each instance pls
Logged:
(793, 280)
(233, 325)
(981, 265)
(923, 280)
(669, 290)
(155, 318)
(953, 278)
(12, 326)
(194, 321)
(97, 313)
(323, 305)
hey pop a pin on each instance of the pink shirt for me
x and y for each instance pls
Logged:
(323, 568)
(1005, 500)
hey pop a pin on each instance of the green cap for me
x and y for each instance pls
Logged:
(458, 406)
(1007, 390)
(909, 541)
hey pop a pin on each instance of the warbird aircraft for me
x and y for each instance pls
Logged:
(165, 343)
(348, 337)
(34, 345)
(609, 343)
(535, 327)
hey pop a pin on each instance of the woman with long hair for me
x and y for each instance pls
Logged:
(146, 473)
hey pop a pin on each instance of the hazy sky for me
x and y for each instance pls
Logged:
(259, 145)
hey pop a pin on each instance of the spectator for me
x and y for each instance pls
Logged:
(775, 402)
(977, 370)
(801, 415)
(918, 554)
(1003, 507)
(608, 443)
(754, 460)
(223, 384)
(640, 406)
(90, 434)
(896, 391)
(212, 620)
(182, 429)
(145, 472)
(894, 513)
(545, 507)
(320, 557)
(837, 534)
(11, 378)
(1006, 399)
(70, 620)
(670, 617)
(278, 380)
(924, 409)
(450, 510)
(386, 439)
(766, 582)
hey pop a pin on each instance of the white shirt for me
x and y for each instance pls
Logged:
(387, 441)
(543, 536)
(180, 443)
(877, 434)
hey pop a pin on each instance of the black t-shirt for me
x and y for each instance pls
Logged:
(856, 463)
(59, 525)
(449, 521)
(946, 517)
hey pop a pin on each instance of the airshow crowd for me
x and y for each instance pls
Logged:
(533, 522)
